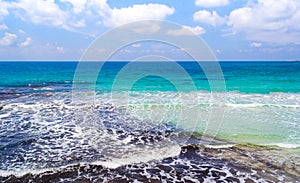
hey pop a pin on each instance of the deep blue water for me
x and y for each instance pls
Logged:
(245, 77)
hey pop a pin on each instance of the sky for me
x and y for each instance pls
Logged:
(233, 29)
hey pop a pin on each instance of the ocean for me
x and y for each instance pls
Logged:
(148, 129)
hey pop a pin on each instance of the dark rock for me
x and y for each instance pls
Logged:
(82, 180)
(179, 171)
(165, 168)
(167, 160)
(232, 179)
(217, 174)
(249, 181)
(179, 166)
(189, 152)
(153, 171)
(137, 176)
(119, 180)
(139, 171)
(154, 181)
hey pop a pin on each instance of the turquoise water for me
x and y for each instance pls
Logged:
(245, 77)
(260, 100)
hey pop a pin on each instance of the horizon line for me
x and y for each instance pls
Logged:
(226, 60)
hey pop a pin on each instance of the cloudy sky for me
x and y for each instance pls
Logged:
(234, 29)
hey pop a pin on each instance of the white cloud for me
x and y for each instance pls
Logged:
(133, 13)
(20, 31)
(211, 18)
(137, 45)
(100, 6)
(241, 18)
(273, 21)
(256, 45)
(77, 5)
(3, 8)
(60, 49)
(80, 23)
(75, 15)
(3, 12)
(211, 3)
(8, 39)
(3, 27)
(196, 30)
(186, 30)
(44, 12)
(26, 43)
(144, 27)
(112, 17)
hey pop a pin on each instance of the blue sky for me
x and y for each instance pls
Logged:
(234, 29)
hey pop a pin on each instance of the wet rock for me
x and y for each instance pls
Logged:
(249, 181)
(137, 176)
(153, 171)
(119, 180)
(180, 166)
(218, 174)
(189, 152)
(168, 160)
(232, 179)
(154, 181)
(165, 168)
